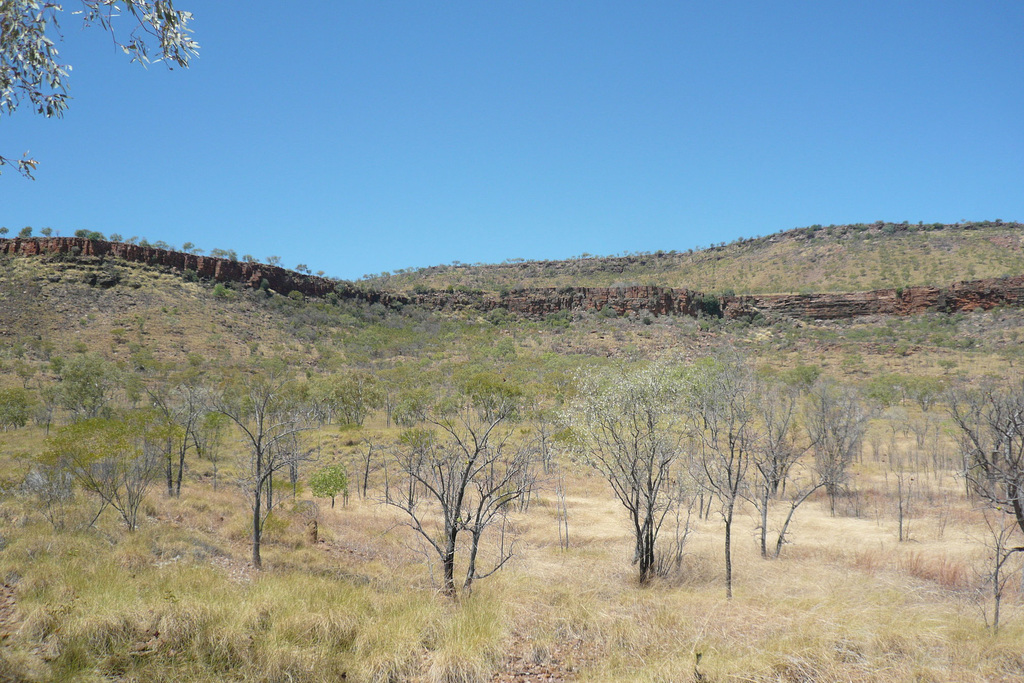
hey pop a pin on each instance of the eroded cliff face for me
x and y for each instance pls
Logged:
(207, 267)
(960, 296)
(538, 302)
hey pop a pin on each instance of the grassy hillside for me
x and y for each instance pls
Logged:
(816, 259)
(179, 600)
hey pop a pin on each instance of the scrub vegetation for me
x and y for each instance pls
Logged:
(819, 258)
(207, 482)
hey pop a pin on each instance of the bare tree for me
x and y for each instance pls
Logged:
(562, 513)
(720, 396)
(208, 440)
(267, 407)
(461, 475)
(775, 460)
(836, 420)
(998, 541)
(903, 471)
(627, 426)
(990, 431)
(181, 402)
(53, 486)
(367, 465)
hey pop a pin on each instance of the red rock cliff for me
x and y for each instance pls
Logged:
(538, 302)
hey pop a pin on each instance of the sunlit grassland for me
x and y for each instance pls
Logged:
(177, 600)
(827, 260)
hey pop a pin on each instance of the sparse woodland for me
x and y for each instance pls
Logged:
(209, 483)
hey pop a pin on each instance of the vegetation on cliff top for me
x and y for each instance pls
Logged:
(834, 258)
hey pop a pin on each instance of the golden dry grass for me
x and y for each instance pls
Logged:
(178, 601)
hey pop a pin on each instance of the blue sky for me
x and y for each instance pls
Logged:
(370, 136)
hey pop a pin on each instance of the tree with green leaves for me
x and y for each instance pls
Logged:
(627, 425)
(329, 481)
(87, 383)
(31, 69)
(114, 458)
(16, 405)
(347, 396)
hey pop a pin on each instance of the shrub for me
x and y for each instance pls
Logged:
(708, 304)
(15, 407)
(329, 481)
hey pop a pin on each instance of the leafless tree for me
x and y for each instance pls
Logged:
(53, 487)
(903, 471)
(628, 426)
(669, 556)
(368, 464)
(836, 420)
(720, 396)
(990, 431)
(181, 403)
(775, 460)
(563, 513)
(268, 409)
(460, 475)
(999, 540)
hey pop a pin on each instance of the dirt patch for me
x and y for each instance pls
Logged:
(8, 616)
(558, 662)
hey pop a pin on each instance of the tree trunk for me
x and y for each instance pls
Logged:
(471, 570)
(997, 593)
(181, 468)
(257, 527)
(257, 561)
(764, 521)
(728, 550)
(647, 551)
(448, 562)
(170, 473)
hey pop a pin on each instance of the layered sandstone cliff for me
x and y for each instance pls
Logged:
(539, 302)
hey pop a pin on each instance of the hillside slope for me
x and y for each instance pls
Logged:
(817, 259)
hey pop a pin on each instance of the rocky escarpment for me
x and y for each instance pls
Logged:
(207, 267)
(536, 303)
(960, 296)
(539, 302)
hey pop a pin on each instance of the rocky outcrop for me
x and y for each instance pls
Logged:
(960, 296)
(207, 267)
(623, 300)
(539, 302)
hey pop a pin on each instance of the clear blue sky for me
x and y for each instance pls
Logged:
(357, 137)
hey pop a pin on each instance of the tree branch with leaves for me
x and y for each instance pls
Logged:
(31, 69)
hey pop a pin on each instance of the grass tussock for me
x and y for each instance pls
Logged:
(176, 600)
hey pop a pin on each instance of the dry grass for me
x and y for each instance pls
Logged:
(178, 601)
